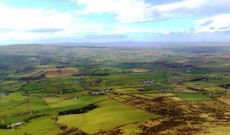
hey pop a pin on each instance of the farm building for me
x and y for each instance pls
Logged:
(4, 93)
(15, 124)
(100, 92)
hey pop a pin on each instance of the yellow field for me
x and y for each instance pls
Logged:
(60, 72)
(224, 99)
(52, 72)
(139, 70)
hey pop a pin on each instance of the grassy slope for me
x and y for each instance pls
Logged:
(110, 114)
(42, 125)
(81, 101)
(192, 96)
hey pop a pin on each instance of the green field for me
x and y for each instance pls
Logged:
(108, 115)
(81, 101)
(187, 96)
(42, 125)
(129, 86)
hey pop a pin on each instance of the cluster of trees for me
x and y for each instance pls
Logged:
(78, 111)
(4, 126)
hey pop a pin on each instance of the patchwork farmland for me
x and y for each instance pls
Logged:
(62, 90)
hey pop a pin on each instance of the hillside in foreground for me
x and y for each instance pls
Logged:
(114, 90)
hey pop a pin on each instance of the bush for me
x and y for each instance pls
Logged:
(78, 111)
(4, 126)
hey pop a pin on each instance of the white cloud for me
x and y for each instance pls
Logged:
(26, 19)
(186, 4)
(139, 10)
(25, 24)
(20, 35)
(37, 23)
(126, 10)
(217, 23)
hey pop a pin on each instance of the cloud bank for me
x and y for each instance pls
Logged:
(114, 19)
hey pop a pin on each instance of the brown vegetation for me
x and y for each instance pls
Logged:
(60, 72)
(179, 115)
(70, 130)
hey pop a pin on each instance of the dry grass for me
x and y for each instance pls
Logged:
(52, 72)
(60, 72)
(224, 99)
(139, 70)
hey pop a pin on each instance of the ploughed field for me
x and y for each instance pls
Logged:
(114, 90)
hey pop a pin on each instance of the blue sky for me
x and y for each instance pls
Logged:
(55, 21)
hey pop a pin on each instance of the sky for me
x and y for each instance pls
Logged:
(76, 21)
